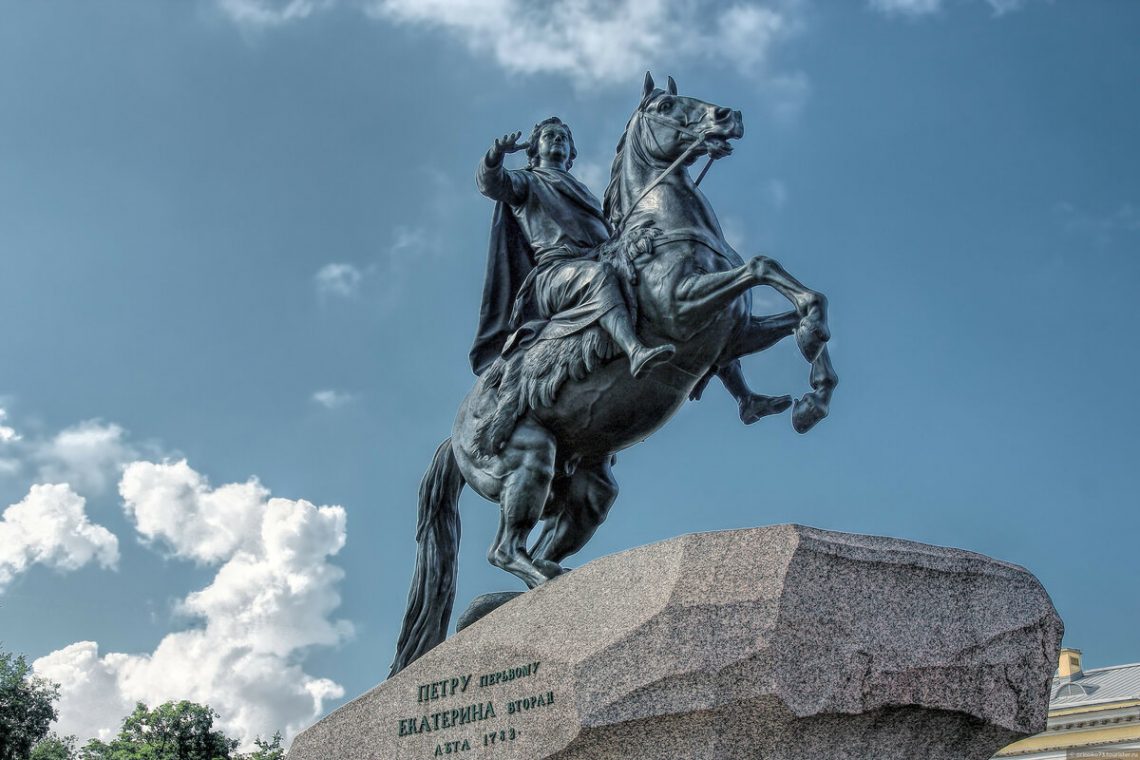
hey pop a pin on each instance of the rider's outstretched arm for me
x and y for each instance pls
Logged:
(497, 182)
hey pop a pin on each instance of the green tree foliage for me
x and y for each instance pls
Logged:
(266, 750)
(172, 731)
(27, 707)
(55, 748)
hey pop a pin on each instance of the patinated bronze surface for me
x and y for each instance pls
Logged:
(597, 325)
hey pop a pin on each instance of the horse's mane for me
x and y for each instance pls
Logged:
(611, 202)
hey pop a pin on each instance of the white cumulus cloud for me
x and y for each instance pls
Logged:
(272, 598)
(173, 505)
(50, 527)
(91, 705)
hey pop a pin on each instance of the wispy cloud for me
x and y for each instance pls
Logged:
(88, 456)
(906, 7)
(775, 193)
(593, 174)
(1101, 228)
(7, 434)
(50, 527)
(269, 13)
(338, 280)
(596, 41)
(333, 399)
(591, 42)
(920, 8)
(382, 281)
(271, 599)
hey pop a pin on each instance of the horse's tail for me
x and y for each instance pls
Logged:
(432, 594)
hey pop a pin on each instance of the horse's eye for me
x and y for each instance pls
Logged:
(666, 104)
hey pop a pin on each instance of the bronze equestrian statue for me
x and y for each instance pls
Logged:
(597, 325)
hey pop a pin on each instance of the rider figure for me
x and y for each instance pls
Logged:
(539, 271)
(539, 278)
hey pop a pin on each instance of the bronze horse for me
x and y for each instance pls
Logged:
(538, 431)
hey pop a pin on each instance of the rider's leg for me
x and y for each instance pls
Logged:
(583, 501)
(642, 358)
(529, 459)
(753, 406)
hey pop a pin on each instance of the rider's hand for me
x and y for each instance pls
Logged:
(507, 144)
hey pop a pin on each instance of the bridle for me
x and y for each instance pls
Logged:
(698, 142)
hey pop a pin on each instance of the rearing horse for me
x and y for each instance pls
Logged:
(538, 431)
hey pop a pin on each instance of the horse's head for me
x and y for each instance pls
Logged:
(665, 127)
(669, 124)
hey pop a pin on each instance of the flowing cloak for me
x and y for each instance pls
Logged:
(545, 221)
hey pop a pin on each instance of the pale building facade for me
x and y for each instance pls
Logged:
(1092, 714)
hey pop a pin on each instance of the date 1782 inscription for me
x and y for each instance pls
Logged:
(476, 708)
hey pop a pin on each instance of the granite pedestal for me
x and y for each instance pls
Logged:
(779, 643)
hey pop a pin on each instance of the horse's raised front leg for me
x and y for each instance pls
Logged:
(529, 459)
(760, 333)
(814, 406)
(700, 295)
(812, 333)
(578, 506)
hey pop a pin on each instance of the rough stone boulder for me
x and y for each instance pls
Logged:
(776, 643)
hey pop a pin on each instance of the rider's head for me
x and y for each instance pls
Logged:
(551, 141)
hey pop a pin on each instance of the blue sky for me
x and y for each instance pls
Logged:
(242, 256)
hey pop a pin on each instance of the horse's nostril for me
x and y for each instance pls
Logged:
(722, 113)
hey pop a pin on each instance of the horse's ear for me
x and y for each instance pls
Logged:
(648, 88)
(672, 86)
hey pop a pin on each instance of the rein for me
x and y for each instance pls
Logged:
(698, 142)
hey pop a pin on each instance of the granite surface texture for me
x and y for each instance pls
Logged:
(781, 643)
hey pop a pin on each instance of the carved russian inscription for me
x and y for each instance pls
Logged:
(473, 718)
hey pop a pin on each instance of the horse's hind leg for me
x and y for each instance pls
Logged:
(579, 505)
(529, 459)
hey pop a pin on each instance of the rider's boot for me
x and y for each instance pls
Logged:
(642, 358)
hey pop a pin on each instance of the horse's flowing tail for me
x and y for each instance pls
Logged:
(432, 594)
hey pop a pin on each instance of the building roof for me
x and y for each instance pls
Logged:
(1097, 686)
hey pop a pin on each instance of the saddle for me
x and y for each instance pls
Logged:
(530, 375)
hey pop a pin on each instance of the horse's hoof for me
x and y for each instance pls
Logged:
(812, 333)
(756, 406)
(549, 569)
(808, 411)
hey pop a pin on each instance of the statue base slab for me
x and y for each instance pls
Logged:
(784, 642)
